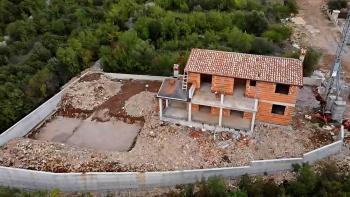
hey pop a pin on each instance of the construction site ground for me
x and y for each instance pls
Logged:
(124, 115)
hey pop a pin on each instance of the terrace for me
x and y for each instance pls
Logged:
(237, 101)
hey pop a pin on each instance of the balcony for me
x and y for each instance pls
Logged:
(237, 101)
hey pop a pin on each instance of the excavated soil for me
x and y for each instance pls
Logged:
(115, 105)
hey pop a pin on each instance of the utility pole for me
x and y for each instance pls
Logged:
(335, 104)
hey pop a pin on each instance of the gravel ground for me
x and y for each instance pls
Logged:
(140, 104)
(86, 95)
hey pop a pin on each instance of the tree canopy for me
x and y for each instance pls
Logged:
(48, 42)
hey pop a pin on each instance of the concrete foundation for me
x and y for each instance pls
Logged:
(338, 110)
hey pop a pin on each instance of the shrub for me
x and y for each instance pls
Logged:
(256, 23)
(311, 61)
(215, 186)
(262, 46)
(292, 5)
(278, 32)
(336, 4)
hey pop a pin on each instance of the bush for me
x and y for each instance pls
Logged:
(336, 4)
(292, 5)
(215, 186)
(278, 33)
(256, 23)
(311, 61)
(262, 46)
(10, 192)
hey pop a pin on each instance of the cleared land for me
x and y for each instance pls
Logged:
(108, 129)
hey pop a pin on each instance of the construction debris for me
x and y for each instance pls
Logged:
(140, 104)
(86, 95)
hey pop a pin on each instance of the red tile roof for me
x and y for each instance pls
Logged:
(246, 66)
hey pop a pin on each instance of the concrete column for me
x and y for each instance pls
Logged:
(166, 103)
(222, 99)
(254, 115)
(190, 112)
(220, 117)
(253, 122)
(160, 109)
(335, 15)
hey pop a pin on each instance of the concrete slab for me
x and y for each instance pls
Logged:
(172, 89)
(112, 135)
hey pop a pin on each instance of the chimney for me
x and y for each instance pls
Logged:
(302, 54)
(176, 70)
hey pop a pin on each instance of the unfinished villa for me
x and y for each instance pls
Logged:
(231, 90)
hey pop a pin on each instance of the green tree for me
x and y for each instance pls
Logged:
(278, 33)
(336, 4)
(237, 40)
(256, 23)
(311, 61)
(262, 46)
(21, 30)
(305, 183)
(69, 57)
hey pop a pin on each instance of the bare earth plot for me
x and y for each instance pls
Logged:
(100, 128)
(316, 30)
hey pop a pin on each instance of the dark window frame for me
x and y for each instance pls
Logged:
(282, 88)
(278, 109)
(252, 83)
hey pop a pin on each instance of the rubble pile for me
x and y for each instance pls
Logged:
(56, 157)
(140, 104)
(86, 95)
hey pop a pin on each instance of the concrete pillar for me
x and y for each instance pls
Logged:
(254, 115)
(160, 109)
(222, 99)
(253, 122)
(220, 117)
(166, 103)
(335, 15)
(338, 110)
(189, 112)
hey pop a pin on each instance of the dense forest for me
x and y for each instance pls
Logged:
(43, 43)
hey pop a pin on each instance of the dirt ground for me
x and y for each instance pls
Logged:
(159, 145)
(319, 32)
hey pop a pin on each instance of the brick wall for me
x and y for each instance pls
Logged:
(222, 85)
(262, 90)
(264, 114)
(195, 107)
(247, 115)
(215, 110)
(226, 112)
(266, 91)
(195, 78)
